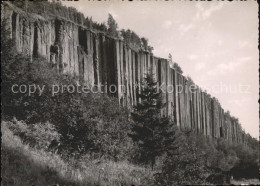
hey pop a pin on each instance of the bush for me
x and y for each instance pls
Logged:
(200, 160)
(83, 122)
(185, 165)
(248, 164)
(25, 165)
(39, 135)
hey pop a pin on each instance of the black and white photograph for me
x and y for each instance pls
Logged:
(114, 92)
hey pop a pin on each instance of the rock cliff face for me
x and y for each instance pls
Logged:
(97, 60)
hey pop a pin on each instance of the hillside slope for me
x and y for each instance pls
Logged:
(24, 165)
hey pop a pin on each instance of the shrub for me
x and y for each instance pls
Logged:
(185, 165)
(39, 135)
(25, 165)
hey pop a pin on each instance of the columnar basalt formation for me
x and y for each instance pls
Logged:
(97, 59)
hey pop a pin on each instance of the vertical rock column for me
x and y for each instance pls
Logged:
(204, 126)
(118, 69)
(198, 109)
(134, 70)
(139, 75)
(130, 78)
(6, 19)
(181, 83)
(122, 82)
(171, 93)
(163, 83)
(104, 56)
(189, 104)
(216, 119)
(176, 98)
(208, 115)
(194, 110)
(126, 72)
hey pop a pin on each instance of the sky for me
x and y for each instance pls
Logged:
(215, 43)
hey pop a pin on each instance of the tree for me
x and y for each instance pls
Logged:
(135, 40)
(144, 43)
(177, 67)
(187, 164)
(112, 26)
(103, 27)
(126, 34)
(131, 38)
(150, 49)
(174, 65)
(152, 133)
(90, 23)
(190, 80)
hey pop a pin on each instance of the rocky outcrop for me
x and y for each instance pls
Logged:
(99, 60)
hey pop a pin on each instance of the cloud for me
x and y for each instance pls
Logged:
(204, 13)
(159, 41)
(240, 102)
(185, 28)
(220, 42)
(224, 68)
(243, 44)
(244, 59)
(200, 66)
(112, 11)
(167, 24)
(193, 56)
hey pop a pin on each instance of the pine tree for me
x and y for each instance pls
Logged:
(144, 43)
(112, 26)
(153, 133)
(177, 68)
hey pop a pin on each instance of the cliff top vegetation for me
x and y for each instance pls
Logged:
(47, 9)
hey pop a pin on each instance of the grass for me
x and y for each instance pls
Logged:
(24, 165)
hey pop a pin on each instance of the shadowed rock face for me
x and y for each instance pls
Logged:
(96, 59)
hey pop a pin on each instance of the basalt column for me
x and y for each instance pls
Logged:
(169, 91)
(122, 73)
(162, 75)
